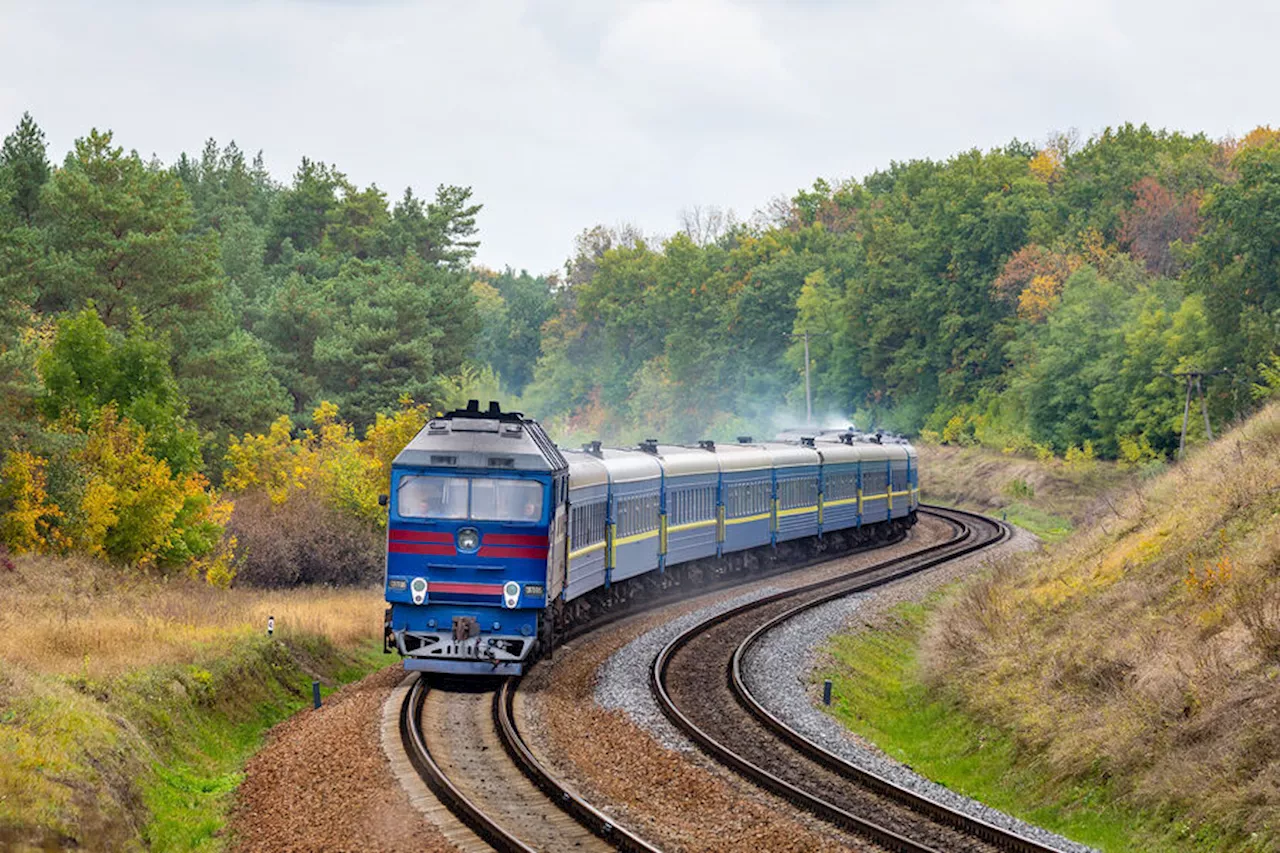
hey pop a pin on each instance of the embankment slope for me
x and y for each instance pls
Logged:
(1144, 652)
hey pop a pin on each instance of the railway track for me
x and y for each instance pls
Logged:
(463, 740)
(457, 736)
(697, 681)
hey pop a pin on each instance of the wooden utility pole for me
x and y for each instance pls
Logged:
(808, 396)
(1194, 378)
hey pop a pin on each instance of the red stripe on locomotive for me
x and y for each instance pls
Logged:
(401, 535)
(413, 548)
(514, 553)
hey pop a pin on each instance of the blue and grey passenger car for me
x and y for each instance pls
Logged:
(498, 541)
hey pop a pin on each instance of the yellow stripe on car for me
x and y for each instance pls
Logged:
(634, 537)
(761, 517)
(691, 525)
(582, 552)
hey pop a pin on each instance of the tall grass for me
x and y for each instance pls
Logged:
(79, 617)
(1144, 648)
(128, 705)
(1048, 497)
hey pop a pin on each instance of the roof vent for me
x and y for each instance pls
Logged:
(494, 413)
(745, 439)
(806, 440)
(502, 462)
(593, 447)
(846, 438)
(707, 444)
(650, 445)
(879, 438)
(443, 460)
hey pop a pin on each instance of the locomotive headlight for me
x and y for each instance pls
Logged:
(419, 590)
(511, 594)
(468, 539)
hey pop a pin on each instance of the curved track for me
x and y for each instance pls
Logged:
(697, 682)
(463, 740)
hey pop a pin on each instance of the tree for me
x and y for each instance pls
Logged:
(23, 155)
(1073, 360)
(1236, 263)
(439, 232)
(1157, 219)
(119, 236)
(21, 248)
(89, 366)
(513, 309)
(302, 212)
(358, 225)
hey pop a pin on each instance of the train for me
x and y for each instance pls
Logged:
(499, 542)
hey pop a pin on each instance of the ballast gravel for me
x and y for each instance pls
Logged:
(623, 683)
(674, 798)
(322, 782)
(780, 673)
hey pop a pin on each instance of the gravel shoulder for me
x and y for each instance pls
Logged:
(780, 672)
(322, 782)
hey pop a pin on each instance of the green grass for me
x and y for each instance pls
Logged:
(189, 792)
(878, 694)
(151, 760)
(1046, 525)
(1049, 527)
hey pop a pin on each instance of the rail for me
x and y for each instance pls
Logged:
(965, 541)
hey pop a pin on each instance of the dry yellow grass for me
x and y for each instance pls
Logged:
(987, 479)
(1146, 649)
(80, 617)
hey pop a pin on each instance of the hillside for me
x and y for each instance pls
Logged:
(1049, 497)
(128, 706)
(1143, 653)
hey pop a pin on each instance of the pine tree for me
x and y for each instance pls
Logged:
(24, 157)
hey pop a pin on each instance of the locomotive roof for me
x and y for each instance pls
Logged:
(492, 440)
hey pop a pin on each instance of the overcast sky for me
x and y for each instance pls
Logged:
(566, 113)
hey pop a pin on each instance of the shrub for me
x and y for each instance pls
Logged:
(1136, 451)
(135, 510)
(27, 519)
(1019, 489)
(329, 459)
(302, 540)
(1081, 459)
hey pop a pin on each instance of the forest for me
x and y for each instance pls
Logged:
(201, 365)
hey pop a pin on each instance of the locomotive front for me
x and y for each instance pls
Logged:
(475, 542)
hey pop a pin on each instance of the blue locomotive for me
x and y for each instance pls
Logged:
(498, 541)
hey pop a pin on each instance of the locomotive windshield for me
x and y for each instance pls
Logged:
(482, 499)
